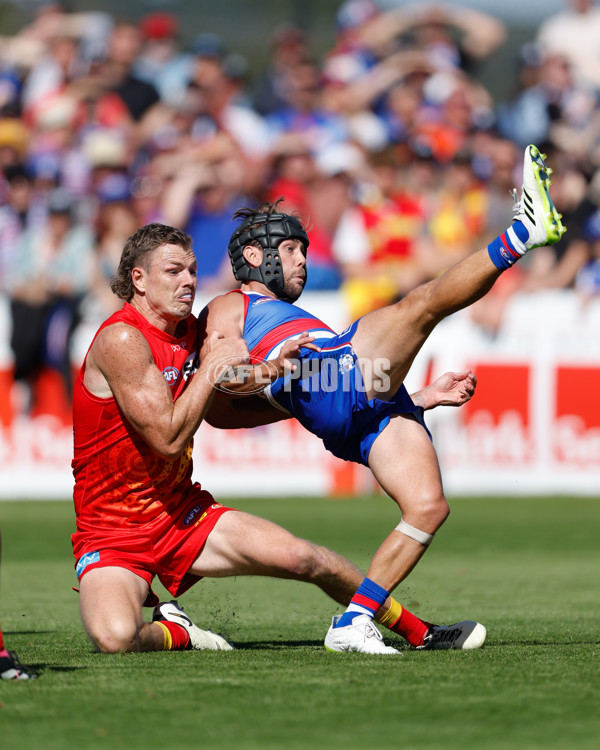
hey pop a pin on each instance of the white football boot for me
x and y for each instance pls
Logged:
(360, 636)
(199, 639)
(534, 207)
(462, 635)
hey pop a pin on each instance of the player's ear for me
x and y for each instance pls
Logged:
(137, 277)
(253, 255)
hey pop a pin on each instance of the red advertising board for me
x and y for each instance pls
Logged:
(576, 432)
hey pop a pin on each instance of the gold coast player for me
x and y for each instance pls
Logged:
(348, 388)
(137, 404)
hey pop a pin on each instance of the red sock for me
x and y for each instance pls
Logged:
(1, 640)
(179, 637)
(410, 627)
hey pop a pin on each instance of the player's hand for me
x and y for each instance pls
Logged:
(289, 354)
(450, 389)
(221, 355)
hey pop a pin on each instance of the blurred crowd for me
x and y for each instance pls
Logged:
(389, 145)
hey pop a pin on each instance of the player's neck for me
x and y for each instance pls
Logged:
(257, 288)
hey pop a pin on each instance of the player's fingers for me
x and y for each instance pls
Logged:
(305, 339)
(461, 375)
(289, 365)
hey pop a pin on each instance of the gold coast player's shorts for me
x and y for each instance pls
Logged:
(165, 549)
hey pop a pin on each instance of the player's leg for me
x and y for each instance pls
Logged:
(110, 601)
(392, 336)
(404, 462)
(396, 333)
(243, 544)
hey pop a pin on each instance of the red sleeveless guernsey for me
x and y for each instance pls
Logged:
(121, 484)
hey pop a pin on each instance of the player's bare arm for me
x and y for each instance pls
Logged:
(232, 413)
(120, 365)
(225, 315)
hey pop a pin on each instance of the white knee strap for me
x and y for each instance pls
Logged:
(416, 534)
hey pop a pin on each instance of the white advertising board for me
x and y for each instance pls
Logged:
(532, 428)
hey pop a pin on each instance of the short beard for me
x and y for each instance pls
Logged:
(291, 294)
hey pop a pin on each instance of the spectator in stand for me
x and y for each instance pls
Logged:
(147, 191)
(305, 114)
(47, 283)
(379, 240)
(353, 22)
(451, 36)
(458, 219)
(14, 138)
(203, 190)
(289, 48)
(16, 214)
(116, 220)
(574, 33)
(41, 49)
(161, 61)
(350, 95)
(496, 161)
(52, 74)
(55, 153)
(319, 189)
(403, 107)
(556, 100)
(454, 107)
(218, 83)
(115, 73)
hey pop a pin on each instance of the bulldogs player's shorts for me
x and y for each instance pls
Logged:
(166, 549)
(326, 395)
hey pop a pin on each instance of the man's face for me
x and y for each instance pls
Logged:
(293, 267)
(169, 284)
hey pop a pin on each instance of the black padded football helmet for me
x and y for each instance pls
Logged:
(269, 230)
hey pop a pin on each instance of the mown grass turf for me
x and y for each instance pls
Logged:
(528, 569)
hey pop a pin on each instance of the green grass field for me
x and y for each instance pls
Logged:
(528, 569)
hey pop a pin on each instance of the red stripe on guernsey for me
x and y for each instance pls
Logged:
(246, 299)
(286, 331)
(365, 601)
(513, 252)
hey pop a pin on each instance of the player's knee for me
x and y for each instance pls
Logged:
(114, 637)
(304, 561)
(431, 512)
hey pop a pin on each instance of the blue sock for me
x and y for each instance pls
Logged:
(509, 246)
(366, 601)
